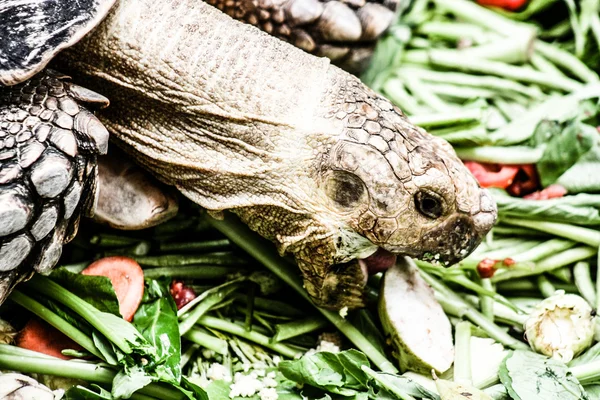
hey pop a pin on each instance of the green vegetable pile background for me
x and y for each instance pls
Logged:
(517, 95)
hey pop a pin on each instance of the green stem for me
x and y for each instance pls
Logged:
(394, 89)
(502, 154)
(387, 385)
(550, 263)
(107, 240)
(502, 86)
(546, 287)
(586, 373)
(583, 235)
(462, 354)
(299, 327)
(56, 321)
(265, 253)
(253, 336)
(208, 245)
(487, 303)
(276, 306)
(206, 340)
(190, 272)
(422, 93)
(455, 305)
(454, 31)
(544, 249)
(179, 260)
(511, 50)
(77, 370)
(203, 303)
(566, 60)
(542, 64)
(88, 312)
(584, 283)
(453, 60)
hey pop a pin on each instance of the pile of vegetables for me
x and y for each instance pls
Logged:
(151, 315)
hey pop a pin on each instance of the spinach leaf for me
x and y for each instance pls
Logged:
(126, 383)
(156, 320)
(94, 392)
(530, 376)
(338, 373)
(96, 290)
(344, 374)
(567, 144)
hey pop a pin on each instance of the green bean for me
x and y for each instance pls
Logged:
(299, 327)
(253, 336)
(208, 245)
(191, 272)
(584, 283)
(178, 260)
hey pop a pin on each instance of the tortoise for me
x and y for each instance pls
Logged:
(234, 119)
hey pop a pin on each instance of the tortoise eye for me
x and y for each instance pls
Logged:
(429, 204)
(344, 188)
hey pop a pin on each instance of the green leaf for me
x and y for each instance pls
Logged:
(94, 392)
(338, 373)
(106, 348)
(126, 383)
(194, 391)
(566, 145)
(96, 290)
(583, 176)
(409, 386)
(530, 376)
(156, 320)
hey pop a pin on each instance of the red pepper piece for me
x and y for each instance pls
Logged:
(493, 175)
(525, 182)
(510, 5)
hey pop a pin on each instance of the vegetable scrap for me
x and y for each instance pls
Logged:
(513, 86)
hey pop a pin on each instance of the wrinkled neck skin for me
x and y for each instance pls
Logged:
(229, 115)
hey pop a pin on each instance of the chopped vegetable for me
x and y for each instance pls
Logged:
(39, 336)
(127, 279)
(511, 5)
(561, 326)
(530, 376)
(21, 387)
(408, 310)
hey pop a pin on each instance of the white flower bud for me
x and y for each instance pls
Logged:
(561, 326)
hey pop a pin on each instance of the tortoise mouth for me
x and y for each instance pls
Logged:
(380, 261)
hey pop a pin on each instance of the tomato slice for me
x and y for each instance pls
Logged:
(127, 279)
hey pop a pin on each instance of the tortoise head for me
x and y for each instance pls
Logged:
(409, 194)
(397, 190)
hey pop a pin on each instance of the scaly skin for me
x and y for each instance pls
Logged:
(302, 151)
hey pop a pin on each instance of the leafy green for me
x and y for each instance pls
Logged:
(94, 392)
(126, 383)
(156, 320)
(581, 209)
(337, 373)
(567, 144)
(348, 374)
(96, 290)
(530, 376)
